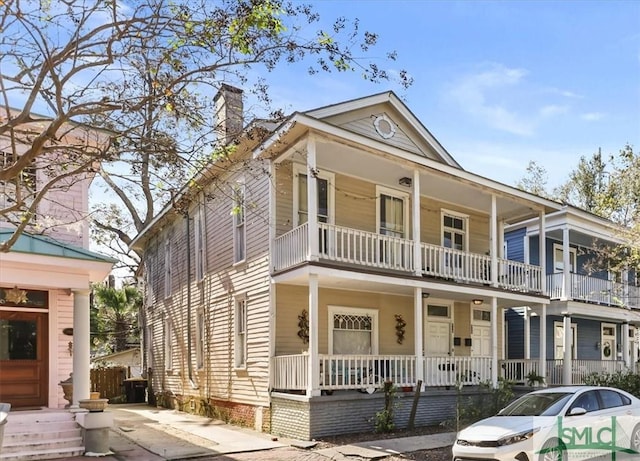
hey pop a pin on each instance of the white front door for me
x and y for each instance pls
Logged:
(558, 340)
(480, 341)
(437, 339)
(608, 342)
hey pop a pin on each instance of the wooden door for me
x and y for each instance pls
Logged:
(23, 359)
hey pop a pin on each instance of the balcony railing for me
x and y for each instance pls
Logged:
(593, 290)
(516, 370)
(369, 249)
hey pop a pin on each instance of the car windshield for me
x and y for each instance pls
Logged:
(542, 404)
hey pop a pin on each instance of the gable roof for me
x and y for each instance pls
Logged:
(355, 115)
(40, 245)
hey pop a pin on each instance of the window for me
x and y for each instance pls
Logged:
(588, 401)
(239, 227)
(199, 237)
(200, 338)
(558, 258)
(324, 182)
(438, 311)
(168, 345)
(241, 333)
(167, 269)
(558, 340)
(481, 315)
(392, 212)
(612, 399)
(353, 331)
(26, 179)
(454, 230)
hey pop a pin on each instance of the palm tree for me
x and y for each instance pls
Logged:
(115, 319)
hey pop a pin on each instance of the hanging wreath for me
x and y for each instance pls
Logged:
(400, 328)
(607, 350)
(303, 326)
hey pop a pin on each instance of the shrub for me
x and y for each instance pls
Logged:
(625, 380)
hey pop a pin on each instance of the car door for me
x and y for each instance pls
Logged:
(616, 417)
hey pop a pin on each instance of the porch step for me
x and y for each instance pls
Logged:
(43, 434)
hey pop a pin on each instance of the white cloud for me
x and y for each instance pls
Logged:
(592, 116)
(471, 93)
(553, 109)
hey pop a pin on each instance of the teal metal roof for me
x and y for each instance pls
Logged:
(38, 244)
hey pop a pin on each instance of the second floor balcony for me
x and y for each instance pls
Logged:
(369, 250)
(594, 290)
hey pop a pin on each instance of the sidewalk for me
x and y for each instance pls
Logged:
(144, 433)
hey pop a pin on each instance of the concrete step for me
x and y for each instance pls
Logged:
(39, 416)
(13, 427)
(14, 438)
(41, 445)
(55, 453)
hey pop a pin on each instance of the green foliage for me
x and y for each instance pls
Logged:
(383, 420)
(625, 380)
(534, 378)
(487, 402)
(114, 317)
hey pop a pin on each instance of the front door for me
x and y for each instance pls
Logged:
(480, 341)
(608, 348)
(23, 358)
(438, 339)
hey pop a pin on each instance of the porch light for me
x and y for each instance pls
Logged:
(405, 181)
(425, 295)
(598, 345)
(477, 302)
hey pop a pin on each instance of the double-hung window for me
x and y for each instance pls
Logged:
(240, 347)
(325, 195)
(168, 345)
(454, 236)
(239, 223)
(199, 241)
(167, 268)
(353, 330)
(200, 338)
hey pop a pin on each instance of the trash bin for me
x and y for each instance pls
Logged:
(4, 414)
(135, 390)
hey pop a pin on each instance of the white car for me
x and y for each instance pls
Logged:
(557, 424)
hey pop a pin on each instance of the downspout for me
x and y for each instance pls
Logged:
(189, 361)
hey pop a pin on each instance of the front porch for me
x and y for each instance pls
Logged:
(359, 248)
(369, 372)
(591, 289)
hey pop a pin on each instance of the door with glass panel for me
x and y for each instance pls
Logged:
(454, 237)
(323, 184)
(392, 217)
(23, 361)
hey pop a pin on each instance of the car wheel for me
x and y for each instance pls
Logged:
(635, 439)
(553, 450)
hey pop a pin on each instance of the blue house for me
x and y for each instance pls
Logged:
(592, 323)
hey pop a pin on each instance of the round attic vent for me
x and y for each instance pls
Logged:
(384, 126)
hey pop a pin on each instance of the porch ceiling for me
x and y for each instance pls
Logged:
(338, 279)
(345, 159)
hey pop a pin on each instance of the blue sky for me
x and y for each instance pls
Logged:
(499, 83)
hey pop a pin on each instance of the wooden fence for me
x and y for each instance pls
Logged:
(108, 381)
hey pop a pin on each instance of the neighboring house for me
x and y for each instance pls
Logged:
(345, 248)
(44, 289)
(593, 321)
(129, 359)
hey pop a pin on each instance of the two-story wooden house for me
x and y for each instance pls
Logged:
(593, 319)
(343, 248)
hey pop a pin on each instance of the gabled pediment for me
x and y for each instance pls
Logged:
(385, 118)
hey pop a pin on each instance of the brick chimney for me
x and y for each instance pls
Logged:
(228, 118)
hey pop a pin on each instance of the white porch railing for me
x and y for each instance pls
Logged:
(289, 372)
(291, 248)
(369, 249)
(440, 261)
(593, 289)
(518, 370)
(517, 276)
(580, 369)
(355, 246)
(359, 371)
(449, 371)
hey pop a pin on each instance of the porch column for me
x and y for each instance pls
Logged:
(417, 329)
(501, 252)
(527, 333)
(313, 364)
(312, 199)
(566, 265)
(543, 343)
(494, 341)
(81, 343)
(566, 358)
(417, 253)
(493, 230)
(542, 252)
(625, 345)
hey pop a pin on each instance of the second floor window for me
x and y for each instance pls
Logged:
(324, 183)
(558, 258)
(26, 179)
(454, 231)
(199, 237)
(392, 212)
(167, 269)
(239, 225)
